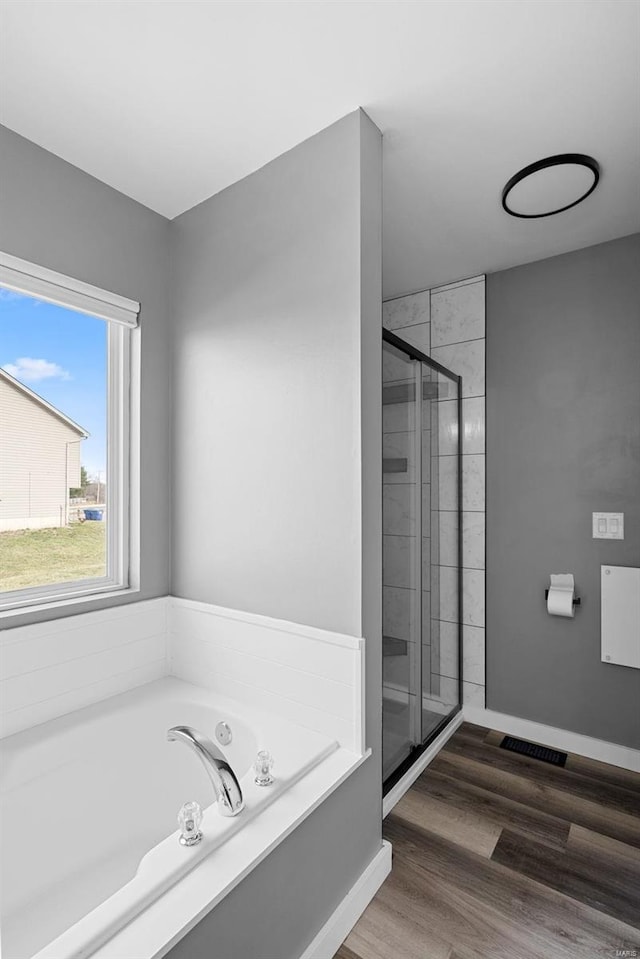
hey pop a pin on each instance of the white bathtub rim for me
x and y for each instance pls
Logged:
(270, 731)
(170, 917)
(81, 941)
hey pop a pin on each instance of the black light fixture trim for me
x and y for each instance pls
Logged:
(577, 159)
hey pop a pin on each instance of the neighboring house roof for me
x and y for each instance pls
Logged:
(47, 406)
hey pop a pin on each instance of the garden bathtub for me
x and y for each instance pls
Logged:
(89, 807)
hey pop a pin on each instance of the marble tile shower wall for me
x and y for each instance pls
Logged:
(447, 323)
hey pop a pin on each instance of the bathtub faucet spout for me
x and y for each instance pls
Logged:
(223, 779)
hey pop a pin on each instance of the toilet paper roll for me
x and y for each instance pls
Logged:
(560, 598)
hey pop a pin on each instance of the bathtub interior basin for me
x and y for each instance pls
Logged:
(90, 804)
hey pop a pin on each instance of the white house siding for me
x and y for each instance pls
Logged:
(39, 462)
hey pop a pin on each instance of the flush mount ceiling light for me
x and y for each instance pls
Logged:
(550, 186)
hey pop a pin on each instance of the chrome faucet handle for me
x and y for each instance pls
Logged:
(190, 819)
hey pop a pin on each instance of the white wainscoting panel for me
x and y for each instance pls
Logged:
(308, 676)
(52, 668)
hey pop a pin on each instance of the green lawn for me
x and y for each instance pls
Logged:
(34, 557)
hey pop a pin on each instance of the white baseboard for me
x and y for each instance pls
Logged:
(341, 922)
(604, 752)
(395, 795)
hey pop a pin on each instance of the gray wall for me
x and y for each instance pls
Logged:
(267, 389)
(563, 440)
(59, 217)
(277, 469)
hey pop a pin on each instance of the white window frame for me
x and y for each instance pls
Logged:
(123, 379)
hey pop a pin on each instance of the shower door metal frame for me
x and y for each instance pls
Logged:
(415, 354)
(416, 724)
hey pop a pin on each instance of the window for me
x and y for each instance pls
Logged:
(66, 431)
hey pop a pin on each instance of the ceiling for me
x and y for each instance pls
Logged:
(170, 102)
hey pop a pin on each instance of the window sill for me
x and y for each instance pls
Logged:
(89, 600)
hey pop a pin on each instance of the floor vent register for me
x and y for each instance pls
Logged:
(543, 753)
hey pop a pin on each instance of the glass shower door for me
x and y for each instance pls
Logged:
(421, 551)
(401, 522)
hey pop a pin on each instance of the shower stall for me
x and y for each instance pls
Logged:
(422, 531)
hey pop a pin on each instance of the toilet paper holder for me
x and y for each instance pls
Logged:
(576, 599)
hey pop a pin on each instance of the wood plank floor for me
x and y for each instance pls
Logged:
(499, 856)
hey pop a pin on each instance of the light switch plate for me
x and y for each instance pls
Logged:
(608, 525)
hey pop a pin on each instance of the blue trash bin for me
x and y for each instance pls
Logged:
(95, 514)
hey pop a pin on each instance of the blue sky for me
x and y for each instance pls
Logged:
(62, 356)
